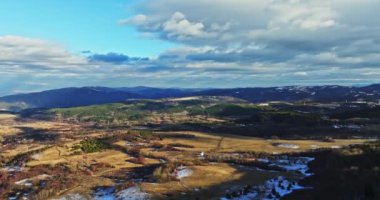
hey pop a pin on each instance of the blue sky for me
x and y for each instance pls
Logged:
(78, 25)
(47, 44)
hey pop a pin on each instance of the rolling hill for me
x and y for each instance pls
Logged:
(71, 97)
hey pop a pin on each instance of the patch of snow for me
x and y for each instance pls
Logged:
(296, 164)
(276, 188)
(43, 176)
(132, 193)
(36, 156)
(12, 169)
(105, 194)
(72, 197)
(288, 146)
(183, 172)
(314, 146)
(25, 182)
(279, 187)
(272, 189)
(264, 160)
(185, 99)
(29, 182)
(127, 143)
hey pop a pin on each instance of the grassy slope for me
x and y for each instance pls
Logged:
(141, 109)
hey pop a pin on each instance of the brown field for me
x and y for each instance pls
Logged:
(64, 154)
(209, 142)
(208, 182)
(7, 116)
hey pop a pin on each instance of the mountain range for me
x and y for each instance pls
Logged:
(82, 96)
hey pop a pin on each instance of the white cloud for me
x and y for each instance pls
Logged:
(19, 52)
(310, 15)
(135, 20)
(178, 26)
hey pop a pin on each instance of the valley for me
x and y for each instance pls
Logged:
(176, 148)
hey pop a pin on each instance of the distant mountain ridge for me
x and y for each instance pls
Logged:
(71, 97)
(328, 93)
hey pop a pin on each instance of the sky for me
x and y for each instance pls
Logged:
(47, 44)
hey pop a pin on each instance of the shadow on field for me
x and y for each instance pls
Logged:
(350, 173)
(29, 134)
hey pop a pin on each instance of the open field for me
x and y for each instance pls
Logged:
(209, 182)
(56, 155)
(7, 116)
(203, 142)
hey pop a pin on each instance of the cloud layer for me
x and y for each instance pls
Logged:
(309, 37)
(221, 43)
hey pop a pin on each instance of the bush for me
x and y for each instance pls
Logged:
(164, 173)
(139, 160)
(93, 145)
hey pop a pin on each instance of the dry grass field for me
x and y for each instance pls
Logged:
(64, 154)
(7, 116)
(7, 122)
(208, 182)
(203, 142)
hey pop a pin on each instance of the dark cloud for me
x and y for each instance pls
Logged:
(109, 58)
(115, 58)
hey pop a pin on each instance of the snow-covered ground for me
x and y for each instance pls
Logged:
(28, 182)
(287, 146)
(25, 182)
(108, 193)
(183, 172)
(276, 188)
(293, 164)
(11, 169)
(72, 197)
(279, 187)
(132, 193)
(272, 189)
(36, 156)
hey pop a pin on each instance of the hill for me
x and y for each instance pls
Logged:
(332, 93)
(71, 97)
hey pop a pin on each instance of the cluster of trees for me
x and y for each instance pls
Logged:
(350, 173)
(91, 145)
(165, 173)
